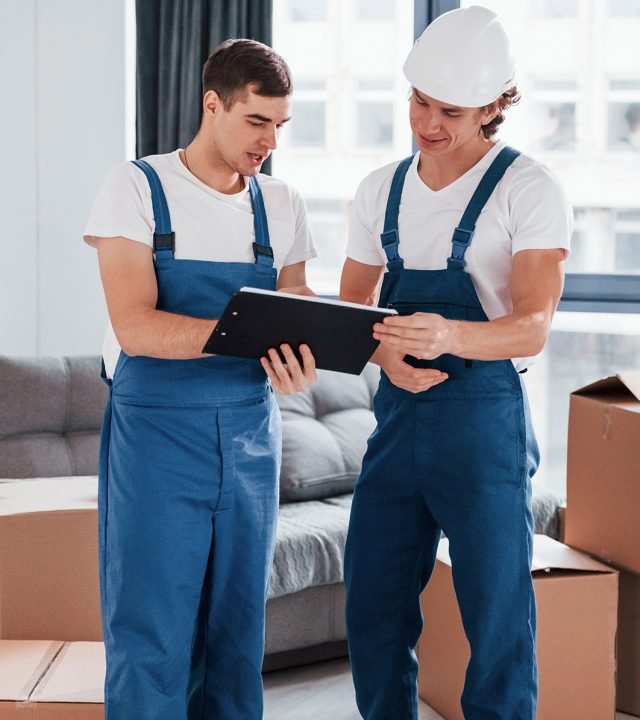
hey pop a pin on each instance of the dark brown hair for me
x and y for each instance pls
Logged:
(235, 64)
(506, 100)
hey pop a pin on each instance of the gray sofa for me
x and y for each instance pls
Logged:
(50, 417)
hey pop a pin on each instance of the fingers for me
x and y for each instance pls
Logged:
(418, 348)
(289, 377)
(420, 383)
(412, 379)
(403, 324)
(309, 363)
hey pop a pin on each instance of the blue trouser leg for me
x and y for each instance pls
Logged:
(390, 553)
(464, 466)
(237, 581)
(173, 485)
(478, 486)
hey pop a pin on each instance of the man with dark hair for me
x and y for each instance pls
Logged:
(237, 63)
(190, 448)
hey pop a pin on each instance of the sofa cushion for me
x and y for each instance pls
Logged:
(325, 431)
(50, 418)
(309, 545)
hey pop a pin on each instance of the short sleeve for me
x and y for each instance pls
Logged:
(364, 241)
(302, 248)
(540, 211)
(122, 207)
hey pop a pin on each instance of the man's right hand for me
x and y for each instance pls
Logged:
(405, 376)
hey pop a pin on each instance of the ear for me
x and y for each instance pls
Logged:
(489, 112)
(211, 103)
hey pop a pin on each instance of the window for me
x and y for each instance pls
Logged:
(375, 124)
(307, 10)
(579, 74)
(582, 347)
(376, 10)
(624, 8)
(349, 115)
(553, 8)
(627, 241)
(374, 113)
(624, 127)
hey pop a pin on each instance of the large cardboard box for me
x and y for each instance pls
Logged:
(51, 680)
(576, 600)
(49, 560)
(603, 500)
(628, 693)
(603, 470)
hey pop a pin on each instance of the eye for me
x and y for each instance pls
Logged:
(451, 113)
(256, 124)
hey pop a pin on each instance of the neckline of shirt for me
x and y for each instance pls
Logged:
(482, 164)
(175, 158)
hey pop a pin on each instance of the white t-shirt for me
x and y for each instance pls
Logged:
(208, 225)
(527, 210)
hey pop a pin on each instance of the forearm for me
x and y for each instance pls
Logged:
(511, 336)
(159, 334)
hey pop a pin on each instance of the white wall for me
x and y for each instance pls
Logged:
(62, 126)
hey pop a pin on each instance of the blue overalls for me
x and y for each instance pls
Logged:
(459, 458)
(188, 500)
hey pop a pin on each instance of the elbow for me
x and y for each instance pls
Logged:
(538, 329)
(126, 339)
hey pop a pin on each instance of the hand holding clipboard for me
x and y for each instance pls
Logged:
(338, 333)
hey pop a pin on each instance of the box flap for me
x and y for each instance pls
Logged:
(631, 379)
(22, 664)
(77, 675)
(548, 554)
(49, 494)
(625, 384)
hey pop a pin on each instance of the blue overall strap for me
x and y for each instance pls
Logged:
(163, 237)
(390, 238)
(261, 247)
(463, 234)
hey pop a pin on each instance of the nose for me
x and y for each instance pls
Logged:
(270, 138)
(430, 122)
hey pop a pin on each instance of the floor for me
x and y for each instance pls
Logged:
(322, 692)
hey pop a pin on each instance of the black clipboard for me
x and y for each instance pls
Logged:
(340, 334)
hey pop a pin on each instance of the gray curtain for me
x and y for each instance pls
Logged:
(174, 38)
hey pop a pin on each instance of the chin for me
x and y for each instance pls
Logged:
(247, 170)
(435, 151)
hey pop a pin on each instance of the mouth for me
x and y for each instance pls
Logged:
(431, 142)
(256, 159)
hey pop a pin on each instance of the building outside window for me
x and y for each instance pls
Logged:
(305, 11)
(374, 114)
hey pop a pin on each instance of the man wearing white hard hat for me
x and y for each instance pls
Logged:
(469, 238)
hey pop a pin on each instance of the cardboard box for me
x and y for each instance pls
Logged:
(49, 583)
(51, 680)
(628, 692)
(576, 600)
(603, 470)
(562, 521)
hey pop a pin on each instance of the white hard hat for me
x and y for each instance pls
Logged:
(463, 58)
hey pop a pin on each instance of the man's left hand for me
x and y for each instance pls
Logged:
(290, 377)
(422, 335)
